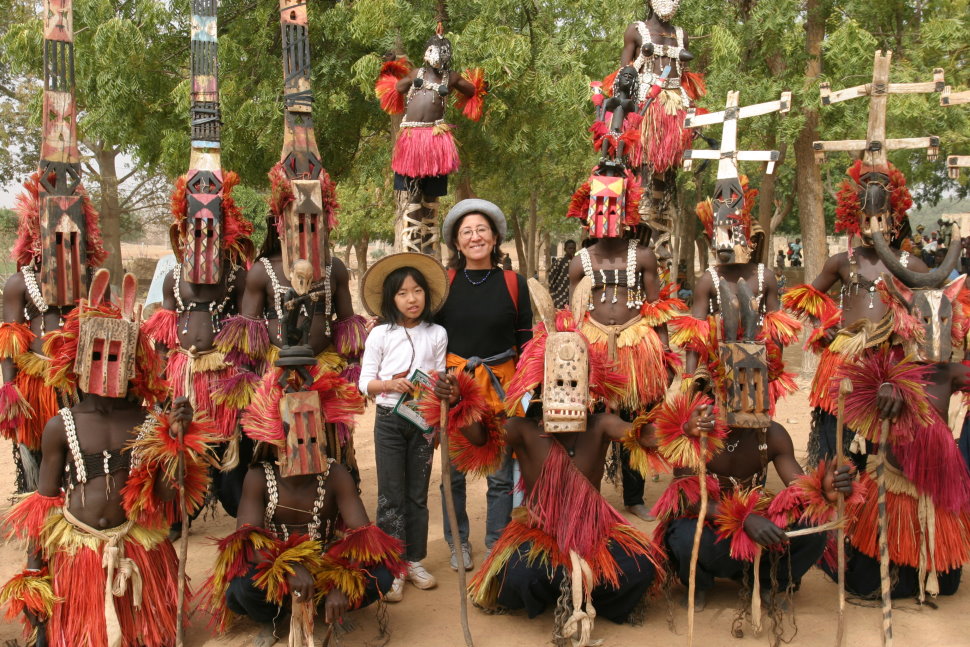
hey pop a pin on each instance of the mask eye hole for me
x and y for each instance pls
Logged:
(573, 383)
(112, 357)
(559, 383)
(96, 356)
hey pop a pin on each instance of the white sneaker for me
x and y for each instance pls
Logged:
(419, 576)
(396, 593)
(466, 555)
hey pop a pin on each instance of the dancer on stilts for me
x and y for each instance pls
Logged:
(58, 244)
(424, 152)
(567, 547)
(210, 239)
(626, 316)
(303, 209)
(100, 569)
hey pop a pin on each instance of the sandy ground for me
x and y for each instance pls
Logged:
(430, 618)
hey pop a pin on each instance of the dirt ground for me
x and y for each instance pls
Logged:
(430, 618)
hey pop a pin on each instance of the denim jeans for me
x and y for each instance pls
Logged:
(404, 456)
(498, 502)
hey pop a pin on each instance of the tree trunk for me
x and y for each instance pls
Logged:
(547, 241)
(519, 243)
(809, 194)
(347, 253)
(361, 248)
(110, 209)
(464, 189)
(532, 238)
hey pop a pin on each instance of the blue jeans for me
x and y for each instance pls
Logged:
(403, 454)
(498, 502)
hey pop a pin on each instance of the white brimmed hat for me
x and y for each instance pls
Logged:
(473, 205)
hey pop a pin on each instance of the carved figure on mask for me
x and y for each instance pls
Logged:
(58, 245)
(425, 153)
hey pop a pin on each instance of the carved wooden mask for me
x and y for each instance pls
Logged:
(305, 232)
(565, 386)
(607, 206)
(107, 346)
(63, 250)
(305, 451)
(202, 238)
(731, 240)
(747, 401)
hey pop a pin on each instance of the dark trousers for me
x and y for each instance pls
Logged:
(534, 588)
(245, 599)
(404, 456)
(964, 442)
(862, 577)
(498, 502)
(633, 482)
(714, 558)
(822, 437)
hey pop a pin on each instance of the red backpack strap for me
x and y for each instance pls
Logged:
(512, 283)
(452, 273)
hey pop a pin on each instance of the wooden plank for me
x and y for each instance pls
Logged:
(954, 163)
(702, 154)
(951, 98)
(830, 96)
(840, 145)
(878, 101)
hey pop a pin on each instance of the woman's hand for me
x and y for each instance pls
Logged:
(446, 387)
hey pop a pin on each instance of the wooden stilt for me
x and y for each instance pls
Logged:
(887, 602)
(845, 388)
(453, 521)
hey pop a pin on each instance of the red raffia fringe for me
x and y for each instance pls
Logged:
(733, 510)
(235, 391)
(392, 101)
(781, 328)
(829, 365)
(236, 228)
(679, 448)
(162, 327)
(26, 518)
(664, 137)
(933, 462)
(638, 377)
(693, 84)
(243, 341)
(348, 337)
(646, 460)
(234, 557)
(805, 501)
(849, 208)
(31, 591)
(15, 411)
(472, 106)
(690, 333)
(204, 384)
(425, 151)
(278, 561)
(370, 546)
(805, 300)
(682, 496)
(666, 307)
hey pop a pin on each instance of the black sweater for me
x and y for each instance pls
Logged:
(481, 320)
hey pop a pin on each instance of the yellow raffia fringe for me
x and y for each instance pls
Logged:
(334, 575)
(59, 535)
(209, 362)
(273, 579)
(32, 364)
(330, 361)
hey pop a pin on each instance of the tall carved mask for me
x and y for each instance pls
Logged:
(874, 197)
(63, 250)
(933, 308)
(565, 384)
(731, 241)
(202, 235)
(107, 345)
(305, 231)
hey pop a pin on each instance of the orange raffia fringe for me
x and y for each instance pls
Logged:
(849, 208)
(816, 341)
(905, 531)
(15, 412)
(235, 555)
(641, 363)
(472, 106)
(340, 403)
(279, 562)
(15, 338)
(236, 228)
(733, 510)
(207, 373)
(682, 496)
(158, 453)
(829, 365)
(645, 460)
(805, 501)
(349, 335)
(31, 591)
(677, 447)
(344, 565)
(805, 300)
(27, 517)
(690, 333)
(693, 84)
(392, 101)
(665, 308)
(162, 327)
(781, 328)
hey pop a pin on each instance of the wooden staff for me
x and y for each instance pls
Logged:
(845, 388)
(756, 592)
(698, 531)
(183, 509)
(301, 623)
(453, 519)
(887, 602)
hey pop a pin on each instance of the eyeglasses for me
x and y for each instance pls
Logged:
(481, 232)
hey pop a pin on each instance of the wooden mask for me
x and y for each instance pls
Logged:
(305, 450)
(202, 236)
(607, 206)
(565, 384)
(305, 231)
(745, 384)
(107, 346)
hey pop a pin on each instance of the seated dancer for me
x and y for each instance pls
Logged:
(100, 568)
(908, 379)
(424, 152)
(845, 330)
(302, 535)
(627, 312)
(734, 339)
(545, 556)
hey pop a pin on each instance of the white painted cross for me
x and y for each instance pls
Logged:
(955, 162)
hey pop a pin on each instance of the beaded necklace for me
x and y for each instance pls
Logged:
(279, 290)
(36, 297)
(216, 308)
(439, 89)
(634, 293)
(273, 502)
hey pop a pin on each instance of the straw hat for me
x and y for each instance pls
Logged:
(372, 283)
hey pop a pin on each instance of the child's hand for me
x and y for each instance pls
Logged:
(400, 385)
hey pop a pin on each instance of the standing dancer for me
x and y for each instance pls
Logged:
(100, 569)
(58, 242)
(424, 152)
(652, 46)
(210, 239)
(303, 208)
(404, 291)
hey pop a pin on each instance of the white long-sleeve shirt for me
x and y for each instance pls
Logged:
(389, 352)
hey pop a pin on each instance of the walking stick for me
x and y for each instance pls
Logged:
(845, 388)
(301, 624)
(183, 512)
(453, 518)
(887, 602)
(698, 531)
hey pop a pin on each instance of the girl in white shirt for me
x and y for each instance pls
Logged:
(405, 290)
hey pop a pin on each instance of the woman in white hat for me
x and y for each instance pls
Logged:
(488, 317)
(404, 291)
